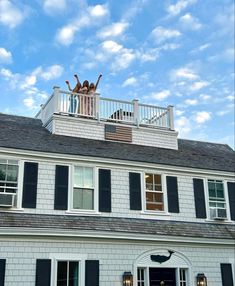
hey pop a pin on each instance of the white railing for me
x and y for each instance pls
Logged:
(106, 109)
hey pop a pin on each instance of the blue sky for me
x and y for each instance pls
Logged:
(177, 52)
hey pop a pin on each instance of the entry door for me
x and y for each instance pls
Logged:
(162, 277)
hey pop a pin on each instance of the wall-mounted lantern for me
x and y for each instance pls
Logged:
(127, 279)
(201, 279)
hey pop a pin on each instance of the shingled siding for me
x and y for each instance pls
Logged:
(114, 257)
(92, 129)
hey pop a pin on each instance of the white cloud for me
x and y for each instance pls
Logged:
(230, 97)
(183, 126)
(54, 6)
(161, 95)
(205, 97)
(161, 34)
(179, 112)
(183, 73)
(123, 59)
(111, 46)
(5, 56)
(191, 101)
(66, 35)
(98, 11)
(202, 116)
(29, 102)
(175, 9)
(190, 22)
(10, 15)
(199, 85)
(52, 72)
(6, 73)
(114, 30)
(130, 82)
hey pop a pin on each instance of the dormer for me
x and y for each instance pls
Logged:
(95, 117)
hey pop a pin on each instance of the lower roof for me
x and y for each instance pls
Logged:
(117, 225)
(26, 133)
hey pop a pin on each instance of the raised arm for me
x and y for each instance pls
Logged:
(76, 76)
(99, 77)
(67, 82)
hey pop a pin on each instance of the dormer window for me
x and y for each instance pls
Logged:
(8, 182)
(217, 202)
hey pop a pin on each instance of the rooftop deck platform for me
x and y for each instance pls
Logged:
(94, 117)
(98, 108)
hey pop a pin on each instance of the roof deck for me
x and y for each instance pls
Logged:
(98, 108)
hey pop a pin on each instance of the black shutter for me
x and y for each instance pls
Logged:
(2, 271)
(135, 191)
(43, 272)
(30, 185)
(172, 194)
(226, 273)
(92, 273)
(105, 190)
(199, 198)
(61, 187)
(231, 196)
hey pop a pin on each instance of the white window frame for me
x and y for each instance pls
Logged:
(19, 189)
(71, 187)
(164, 191)
(224, 182)
(68, 257)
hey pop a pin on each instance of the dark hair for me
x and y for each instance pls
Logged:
(85, 83)
(92, 85)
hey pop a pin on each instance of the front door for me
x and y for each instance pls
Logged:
(162, 277)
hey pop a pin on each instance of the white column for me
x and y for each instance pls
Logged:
(136, 111)
(97, 106)
(56, 101)
(170, 116)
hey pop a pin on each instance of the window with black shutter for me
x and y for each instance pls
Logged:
(61, 187)
(135, 191)
(172, 194)
(105, 190)
(92, 273)
(30, 182)
(226, 274)
(199, 198)
(2, 271)
(43, 272)
(231, 196)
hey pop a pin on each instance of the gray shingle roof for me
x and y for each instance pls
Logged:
(28, 134)
(117, 225)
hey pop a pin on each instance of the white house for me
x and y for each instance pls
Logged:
(96, 191)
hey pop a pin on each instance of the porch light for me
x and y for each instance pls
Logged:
(127, 279)
(201, 279)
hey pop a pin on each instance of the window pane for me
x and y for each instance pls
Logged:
(83, 199)
(155, 207)
(2, 172)
(12, 173)
(212, 193)
(149, 181)
(157, 179)
(62, 273)
(220, 194)
(88, 178)
(73, 273)
(78, 177)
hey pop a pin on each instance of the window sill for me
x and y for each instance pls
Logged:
(80, 212)
(156, 215)
(225, 221)
(2, 209)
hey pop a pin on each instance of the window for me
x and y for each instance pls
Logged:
(8, 181)
(217, 202)
(183, 277)
(67, 273)
(154, 192)
(83, 188)
(141, 277)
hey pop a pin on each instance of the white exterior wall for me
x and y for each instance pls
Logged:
(119, 193)
(92, 129)
(115, 257)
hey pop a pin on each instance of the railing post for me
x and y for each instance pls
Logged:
(136, 111)
(56, 95)
(97, 106)
(170, 116)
